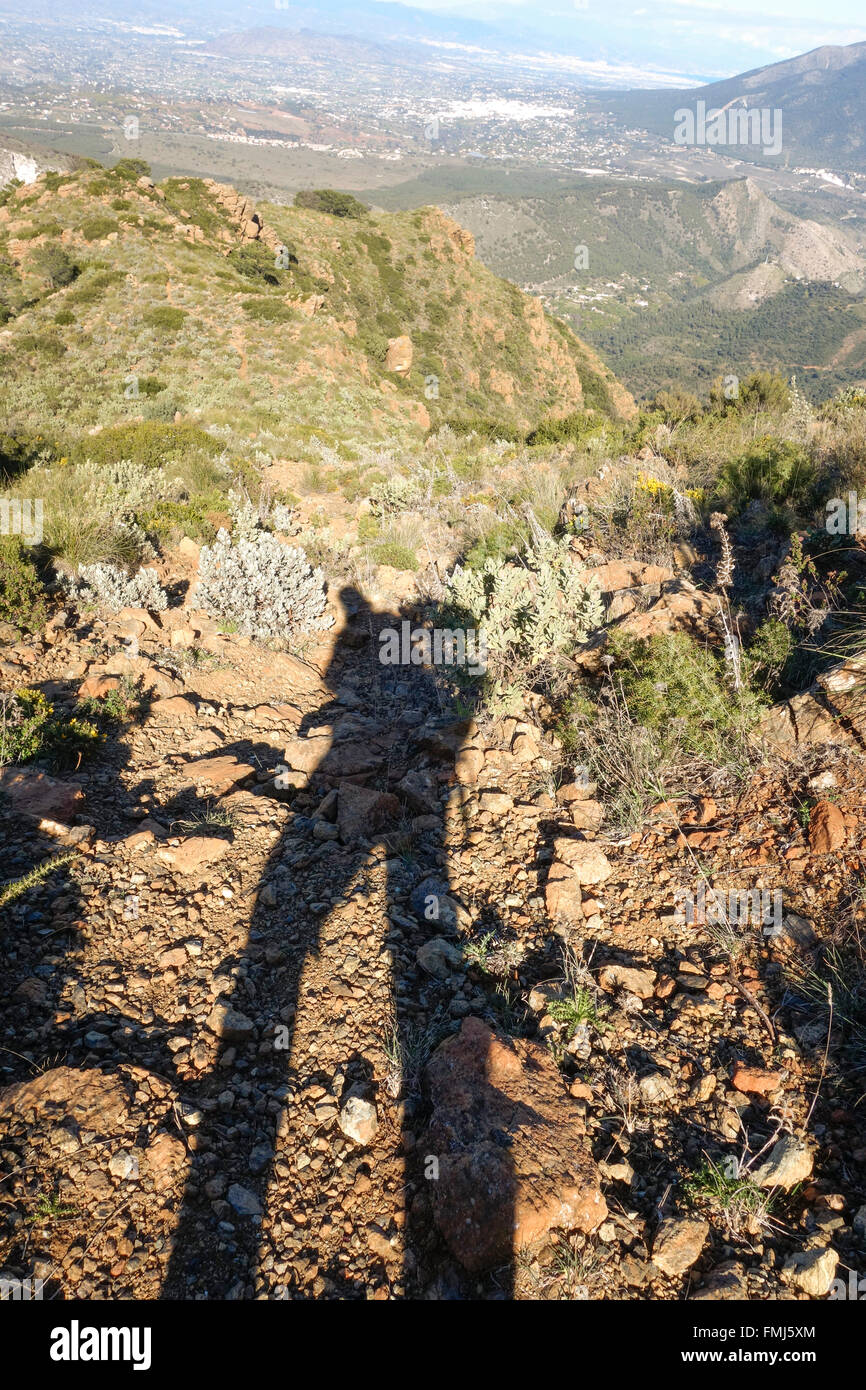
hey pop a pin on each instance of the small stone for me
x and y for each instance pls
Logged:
(245, 1202)
(790, 1162)
(260, 1158)
(193, 856)
(440, 958)
(827, 830)
(430, 902)
(755, 1080)
(657, 1089)
(813, 1271)
(229, 1024)
(123, 1165)
(636, 981)
(588, 863)
(678, 1244)
(359, 1120)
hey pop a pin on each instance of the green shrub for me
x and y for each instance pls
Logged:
(771, 651)
(165, 317)
(761, 391)
(54, 265)
(495, 544)
(256, 262)
(331, 201)
(21, 599)
(97, 228)
(398, 556)
(115, 707)
(173, 520)
(267, 310)
(93, 286)
(149, 442)
(46, 344)
(680, 691)
(774, 471)
(133, 169)
(64, 318)
(24, 450)
(30, 729)
(569, 429)
(161, 407)
(483, 427)
(676, 405)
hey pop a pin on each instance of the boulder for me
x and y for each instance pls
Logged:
(363, 811)
(398, 358)
(512, 1159)
(38, 796)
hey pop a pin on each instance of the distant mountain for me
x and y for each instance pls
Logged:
(728, 241)
(681, 281)
(822, 97)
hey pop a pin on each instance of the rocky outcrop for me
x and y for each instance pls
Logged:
(832, 710)
(249, 223)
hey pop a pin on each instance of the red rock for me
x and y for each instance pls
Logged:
(586, 859)
(219, 772)
(827, 829)
(172, 709)
(513, 1164)
(38, 796)
(92, 1099)
(562, 894)
(755, 1080)
(194, 855)
(97, 686)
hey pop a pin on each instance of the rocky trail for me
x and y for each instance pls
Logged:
(334, 994)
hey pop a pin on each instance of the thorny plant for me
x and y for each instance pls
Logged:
(801, 598)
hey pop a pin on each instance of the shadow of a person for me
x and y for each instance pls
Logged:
(381, 779)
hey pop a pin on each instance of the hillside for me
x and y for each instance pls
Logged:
(370, 319)
(821, 94)
(685, 281)
(432, 791)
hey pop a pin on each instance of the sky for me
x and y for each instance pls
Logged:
(687, 35)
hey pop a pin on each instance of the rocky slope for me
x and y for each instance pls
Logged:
(290, 1018)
